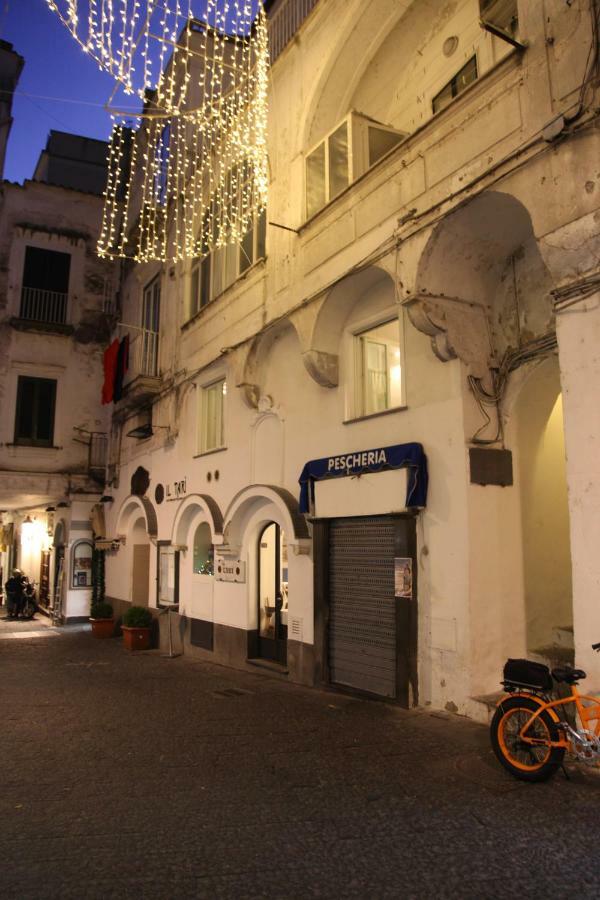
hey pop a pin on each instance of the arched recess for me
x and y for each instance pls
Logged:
(254, 366)
(536, 432)
(350, 50)
(322, 325)
(137, 523)
(131, 509)
(197, 507)
(278, 505)
(482, 287)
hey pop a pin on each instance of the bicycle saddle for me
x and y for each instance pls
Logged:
(568, 675)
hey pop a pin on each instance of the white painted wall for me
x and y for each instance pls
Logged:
(310, 291)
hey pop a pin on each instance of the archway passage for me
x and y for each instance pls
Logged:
(272, 593)
(140, 567)
(545, 514)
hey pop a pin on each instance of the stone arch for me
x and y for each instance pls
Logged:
(356, 42)
(323, 325)
(482, 286)
(277, 504)
(197, 507)
(340, 302)
(134, 507)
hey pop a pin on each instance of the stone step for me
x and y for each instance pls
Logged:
(489, 702)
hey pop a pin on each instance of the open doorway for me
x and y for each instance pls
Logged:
(545, 514)
(272, 594)
(140, 570)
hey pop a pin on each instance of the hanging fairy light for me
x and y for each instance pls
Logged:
(188, 173)
(184, 181)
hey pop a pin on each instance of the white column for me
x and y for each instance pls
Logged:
(578, 330)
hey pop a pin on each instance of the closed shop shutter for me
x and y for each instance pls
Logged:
(362, 608)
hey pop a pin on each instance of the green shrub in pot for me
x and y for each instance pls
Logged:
(137, 617)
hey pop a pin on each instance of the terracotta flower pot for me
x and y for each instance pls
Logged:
(103, 628)
(136, 638)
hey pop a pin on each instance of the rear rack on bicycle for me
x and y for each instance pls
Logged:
(523, 673)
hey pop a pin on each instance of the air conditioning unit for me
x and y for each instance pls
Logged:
(501, 18)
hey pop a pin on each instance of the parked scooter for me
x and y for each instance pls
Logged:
(29, 603)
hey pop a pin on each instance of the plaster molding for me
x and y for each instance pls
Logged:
(322, 367)
(459, 329)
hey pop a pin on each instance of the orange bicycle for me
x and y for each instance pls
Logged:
(531, 731)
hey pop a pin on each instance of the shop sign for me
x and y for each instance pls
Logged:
(175, 490)
(398, 456)
(230, 570)
(355, 460)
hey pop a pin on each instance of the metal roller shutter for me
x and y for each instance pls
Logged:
(362, 613)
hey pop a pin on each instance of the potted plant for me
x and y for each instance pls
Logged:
(101, 617)
(136, 628)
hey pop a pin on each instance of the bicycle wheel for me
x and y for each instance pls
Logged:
(529, 762)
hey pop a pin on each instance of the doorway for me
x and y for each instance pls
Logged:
(272, 594)
(545, 514)
(372, 606)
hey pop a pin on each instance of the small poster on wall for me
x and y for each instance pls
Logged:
(403, 579)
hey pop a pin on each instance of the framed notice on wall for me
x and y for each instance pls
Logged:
(403, 578)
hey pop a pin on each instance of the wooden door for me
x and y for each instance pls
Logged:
(140, 574)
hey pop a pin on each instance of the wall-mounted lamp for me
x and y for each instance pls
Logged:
(27, 520)
(50, 509)
(106, 499)
(62, 505)
(144, 431)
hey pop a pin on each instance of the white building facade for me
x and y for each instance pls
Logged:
(56, 315)
(419, 299)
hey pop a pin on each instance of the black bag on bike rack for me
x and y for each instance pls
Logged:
(527, 674)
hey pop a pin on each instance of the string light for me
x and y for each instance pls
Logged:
(188, 173)
(184, 183)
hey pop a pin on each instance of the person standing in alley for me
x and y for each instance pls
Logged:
(14, 593)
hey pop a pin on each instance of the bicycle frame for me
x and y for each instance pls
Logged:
(586, 715)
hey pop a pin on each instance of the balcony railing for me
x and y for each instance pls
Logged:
(143, 352)
(49, 307)
(285, 22)
(98, 450)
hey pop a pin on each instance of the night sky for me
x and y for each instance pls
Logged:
(54, 67)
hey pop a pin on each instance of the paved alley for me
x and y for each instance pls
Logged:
(140, 776)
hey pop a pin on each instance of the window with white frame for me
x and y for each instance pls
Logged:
(352, 147)
(378, 366)
(212, 416)
(216, 270)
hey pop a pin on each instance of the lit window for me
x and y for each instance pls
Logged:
(82, 565)
(466, 76)
(216, 270)
(345, 154)
(212, 408)
(379, 369)
(204, 552)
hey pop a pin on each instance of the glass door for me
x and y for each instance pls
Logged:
(272, 594)
(149, 330)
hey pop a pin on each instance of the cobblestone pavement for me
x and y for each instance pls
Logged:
(132, 775)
